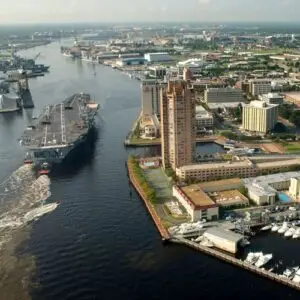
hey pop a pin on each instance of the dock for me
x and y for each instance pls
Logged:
(237, 262)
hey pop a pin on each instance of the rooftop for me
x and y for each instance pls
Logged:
(228, 198)
(217, 183)
(198, 197)
(225, 234)
(260, 104)
(238, 164)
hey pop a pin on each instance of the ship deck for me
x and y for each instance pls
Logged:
(59, 124)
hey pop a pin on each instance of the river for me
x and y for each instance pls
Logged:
(101, 243)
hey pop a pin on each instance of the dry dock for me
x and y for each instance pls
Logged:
(232, 260)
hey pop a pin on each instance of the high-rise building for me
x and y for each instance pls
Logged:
(151, 97)
(178, 129)
(224, 95)
(260, 86)
(259, 117)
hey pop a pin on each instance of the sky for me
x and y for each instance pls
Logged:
(48, 11)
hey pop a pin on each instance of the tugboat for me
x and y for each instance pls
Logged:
(44, 169)
(28, 160)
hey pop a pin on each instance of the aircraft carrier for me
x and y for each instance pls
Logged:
(58, 130)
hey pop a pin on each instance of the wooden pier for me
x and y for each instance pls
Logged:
(232, 260)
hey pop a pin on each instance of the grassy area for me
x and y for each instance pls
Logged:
(291, 147)
(141, 179)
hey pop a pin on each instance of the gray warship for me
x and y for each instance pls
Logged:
(58, 130)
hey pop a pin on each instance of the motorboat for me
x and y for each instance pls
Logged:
(290, 232)
(244, 242)
(290, 273)
(267, 227)
(199, 239)
(275, 228)
(253, 257)
(263, 259)
(296, 278)
(283, 228)
(296, 234)
(206, 243)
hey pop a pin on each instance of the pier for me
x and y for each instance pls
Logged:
(237, 262)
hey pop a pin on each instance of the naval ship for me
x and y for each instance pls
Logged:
(58, 130)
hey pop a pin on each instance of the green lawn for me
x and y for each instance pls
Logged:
(292, 147)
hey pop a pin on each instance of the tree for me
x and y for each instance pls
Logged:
(279, 128)
(295, 118)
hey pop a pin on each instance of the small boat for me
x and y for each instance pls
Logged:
(275, 228)
(296, 234)
(266, 228)
(283, 228)
(264, 259)
(297, 277)
(290, 232)
(244, 242)
(253, 257)
(207, 243)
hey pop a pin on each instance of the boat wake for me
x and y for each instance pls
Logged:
(20, 194)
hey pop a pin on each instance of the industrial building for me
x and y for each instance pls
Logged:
(219, 95)
(158, 57)
(178, 130)
(204, 119)
(131, 61)
(271, 98)
(260, 86)
(259, 117)
(197, 204)
(223, 239)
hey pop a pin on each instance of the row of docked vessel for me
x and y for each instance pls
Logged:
(58, 130)
(14, 63)
(287, 229)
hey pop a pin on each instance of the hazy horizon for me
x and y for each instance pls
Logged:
(93, 11)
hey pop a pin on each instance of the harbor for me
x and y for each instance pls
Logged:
(73, 230)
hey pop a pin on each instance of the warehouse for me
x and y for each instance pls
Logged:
(223, 239)
(158, 57)
(198, 205)
(132, 61)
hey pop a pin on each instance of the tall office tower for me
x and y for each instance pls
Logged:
(178, 128)
(259, 117)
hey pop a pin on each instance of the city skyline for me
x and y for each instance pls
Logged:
(30, 11)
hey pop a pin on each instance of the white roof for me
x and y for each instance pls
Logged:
(225, 234)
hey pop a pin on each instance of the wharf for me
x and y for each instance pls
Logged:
(232, 260)
(162, 230)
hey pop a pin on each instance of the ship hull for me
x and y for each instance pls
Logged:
(53, 156)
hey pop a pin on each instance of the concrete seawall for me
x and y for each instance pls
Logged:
(163, 232)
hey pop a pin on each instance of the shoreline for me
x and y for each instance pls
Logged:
(166, 237)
